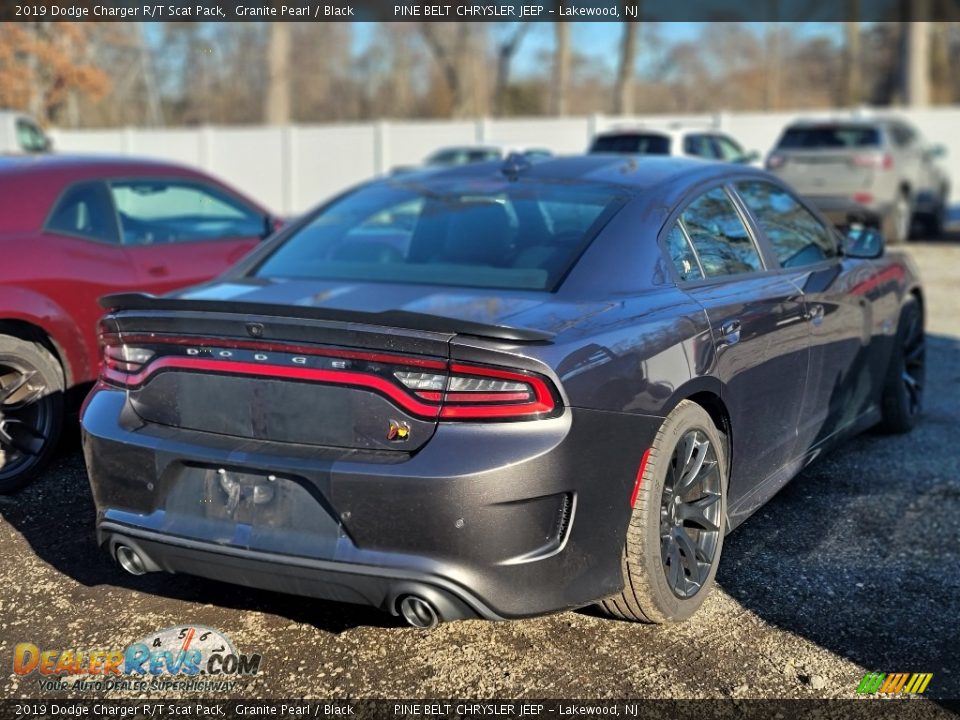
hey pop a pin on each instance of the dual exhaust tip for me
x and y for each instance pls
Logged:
(418, 612)
(130, 560)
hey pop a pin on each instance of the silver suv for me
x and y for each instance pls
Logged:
(879, 170)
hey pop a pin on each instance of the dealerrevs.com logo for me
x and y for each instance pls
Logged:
(894, 683)
(183, 657)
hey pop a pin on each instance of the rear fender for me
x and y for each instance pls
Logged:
(27, 306)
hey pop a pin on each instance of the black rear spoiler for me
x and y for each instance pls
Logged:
(390, 318)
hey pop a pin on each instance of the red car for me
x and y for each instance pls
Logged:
(71, 230)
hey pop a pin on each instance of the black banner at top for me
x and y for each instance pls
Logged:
(479, 10)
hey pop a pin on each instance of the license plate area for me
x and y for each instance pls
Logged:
(252, 510)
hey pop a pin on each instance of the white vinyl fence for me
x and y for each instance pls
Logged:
(291, 168)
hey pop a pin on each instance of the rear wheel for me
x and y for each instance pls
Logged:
(31, 410)
(676, 531)
(903, 389)
(932, 223)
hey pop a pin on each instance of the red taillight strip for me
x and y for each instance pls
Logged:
(509, 404)
(639, 480)
(544, 399)
(268, 346)
(339, 377)
(469, 397)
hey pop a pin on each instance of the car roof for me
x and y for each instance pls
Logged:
(664, 130)
(56, 162)
(633, 173)
(33, 182)
(830, 121)
(467, 147)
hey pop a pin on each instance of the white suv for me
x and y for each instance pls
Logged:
(20, 134)
(704, 143)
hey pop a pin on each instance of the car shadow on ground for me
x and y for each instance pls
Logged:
(860, 553)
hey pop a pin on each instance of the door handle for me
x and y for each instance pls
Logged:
(730, 332)
(158, 270)
(814, 313)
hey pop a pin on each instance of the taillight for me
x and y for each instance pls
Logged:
(432, 388)
(873, 160)
(775, 161)
(126, 358)
(864, 198)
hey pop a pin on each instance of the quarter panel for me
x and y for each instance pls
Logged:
(629, 354)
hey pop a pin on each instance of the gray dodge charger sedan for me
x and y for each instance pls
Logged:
(499, 390)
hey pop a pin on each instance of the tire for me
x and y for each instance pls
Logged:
(902, 400)
(648, 594)
(31, 410)
(896, 223)
(933, 223)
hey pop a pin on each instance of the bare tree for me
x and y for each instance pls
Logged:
(623, 86)
(46, 68)
(940, 70)
(277, 109)
(448, 58)
(774, 60)
(851, 61)
(561, 69)
(506, 49)
(916, 91)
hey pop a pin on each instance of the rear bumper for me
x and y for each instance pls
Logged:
(342, 582)
(492, 520)
(839, 210)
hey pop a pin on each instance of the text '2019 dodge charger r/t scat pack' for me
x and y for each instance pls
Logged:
(499, 390)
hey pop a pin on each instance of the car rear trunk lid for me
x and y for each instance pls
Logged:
(310, 376)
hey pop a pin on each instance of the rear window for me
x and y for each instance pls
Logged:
(830, 136)
(639, 143)
(491, 233)
(462, 156)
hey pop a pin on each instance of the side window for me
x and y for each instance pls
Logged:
(728, 149)
(797, 236)
(30, 138)
(903, 135)
(85, 210)
(163, 211)
(719, 236)
(699, 146)
(681, 254)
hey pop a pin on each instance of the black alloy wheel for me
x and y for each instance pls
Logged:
(903, 389)
(914, 363)
(675, 534)
(690, 514)
(31, 410)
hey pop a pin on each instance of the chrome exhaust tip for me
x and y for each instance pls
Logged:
(419, 613)
(130, 560)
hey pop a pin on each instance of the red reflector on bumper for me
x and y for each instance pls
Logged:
(640, 471)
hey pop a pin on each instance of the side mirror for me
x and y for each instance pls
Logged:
(935, 152)
(47, 143)
(862, 241)
(749, 157)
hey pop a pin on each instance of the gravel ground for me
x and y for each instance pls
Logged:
(854, 567)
